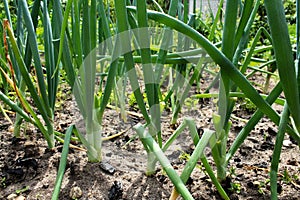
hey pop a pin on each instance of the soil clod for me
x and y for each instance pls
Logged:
(116, 191)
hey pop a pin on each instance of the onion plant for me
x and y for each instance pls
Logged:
(27, 71)
(19, 76)
(118, 51)
(288, 70)
(234, 42)
(209, 137)
(84, 85)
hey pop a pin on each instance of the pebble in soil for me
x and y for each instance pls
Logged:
(107, 167)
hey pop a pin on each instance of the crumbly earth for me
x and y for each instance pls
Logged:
(248, 169)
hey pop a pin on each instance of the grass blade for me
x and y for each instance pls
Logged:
(52, 82)
(229, 28)
(62, 34)
(57, 21)
(212, 33)
(247, 8)
(149, 79)
(284, 56)
(277, 150)
(62, 163)
(36, 56)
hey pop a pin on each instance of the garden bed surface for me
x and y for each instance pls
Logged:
(248, 170)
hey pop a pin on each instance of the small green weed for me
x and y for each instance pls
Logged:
(3, 182)
(235, 187)
(286, 176)
(246, 104)
(22, 190)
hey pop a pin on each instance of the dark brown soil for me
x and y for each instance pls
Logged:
(248, 169)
